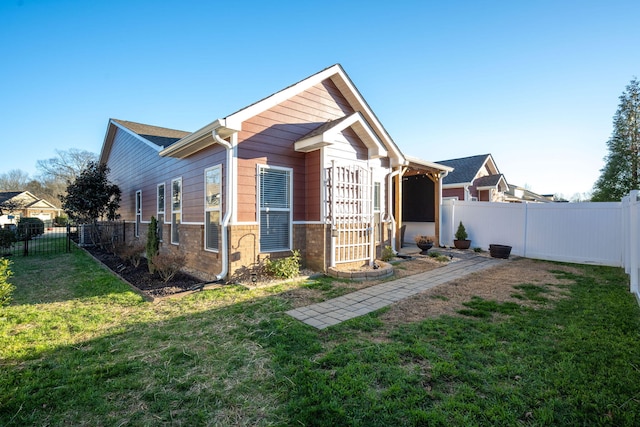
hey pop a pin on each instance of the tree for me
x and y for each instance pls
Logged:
(620, 173)
(66, 167)
(153, 243)
(14, 180)
(91, 196)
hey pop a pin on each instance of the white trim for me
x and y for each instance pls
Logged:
(307, 222)
(135, 135)
(358, 123)
(233, 123)
(191, 223)
(456, 185)
(164, 208)
(138, 208)
(209, 209)
(179, 211)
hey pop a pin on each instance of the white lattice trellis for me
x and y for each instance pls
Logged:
(350, 213)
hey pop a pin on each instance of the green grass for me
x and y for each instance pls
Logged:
(79, 347)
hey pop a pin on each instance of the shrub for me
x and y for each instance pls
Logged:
(131, 253)
(7, 238)
(387, 253)
(153, 243)
(6, 288)
(30, 227)
(168, 264)
(439, 257)
(286, 268)
(461, 233)
(61, 221)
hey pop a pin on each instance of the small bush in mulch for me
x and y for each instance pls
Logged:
(139, 276)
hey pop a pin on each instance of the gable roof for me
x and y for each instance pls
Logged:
(326, 133)
(491, 181)
(163, 137)
(521, 194)
(155, 137)
(8, 195)
(22, 197)
(233, 123)
(465, 169)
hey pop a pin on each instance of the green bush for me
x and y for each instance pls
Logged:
(153, 243)
(286, 268)
(6, 288)
(61, 221)
(7, 238)
(387, 253)
(461, 233)
(30, 227)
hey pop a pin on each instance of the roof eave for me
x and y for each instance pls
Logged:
(197, 140)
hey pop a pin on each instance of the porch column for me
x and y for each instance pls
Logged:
(398, 209)
(437, 196)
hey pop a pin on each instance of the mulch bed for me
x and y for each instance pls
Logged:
(150, 284)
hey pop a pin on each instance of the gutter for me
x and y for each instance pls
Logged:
(228, 201)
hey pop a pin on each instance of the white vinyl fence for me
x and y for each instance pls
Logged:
(585, 233)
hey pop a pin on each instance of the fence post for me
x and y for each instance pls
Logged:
(633, 239)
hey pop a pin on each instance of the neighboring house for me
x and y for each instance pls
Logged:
(474, 178)
(517, 194)
(25, 204)
(308, 168)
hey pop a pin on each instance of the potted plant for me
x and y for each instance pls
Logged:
(424, 242)
(461, 241)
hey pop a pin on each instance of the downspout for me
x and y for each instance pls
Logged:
(228, 201)
(389, 213)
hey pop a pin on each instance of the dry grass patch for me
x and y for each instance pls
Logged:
(496, 284)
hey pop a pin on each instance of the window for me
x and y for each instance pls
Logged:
(176, 209)
(160, 210)
(138, 212)
(212, 204)
(275, 208)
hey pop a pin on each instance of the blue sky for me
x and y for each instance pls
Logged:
(535, 84)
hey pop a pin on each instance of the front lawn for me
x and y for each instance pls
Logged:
(79, 347)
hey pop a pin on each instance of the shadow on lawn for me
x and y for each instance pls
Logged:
(51, 278)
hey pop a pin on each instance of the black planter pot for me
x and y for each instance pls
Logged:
(500, 251)
(424, 247)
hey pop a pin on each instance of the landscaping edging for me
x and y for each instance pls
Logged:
(383, 271)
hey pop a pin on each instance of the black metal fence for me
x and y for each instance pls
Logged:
(106, 234)
(34, 239)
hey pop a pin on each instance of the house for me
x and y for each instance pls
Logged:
(308, 168)
(474, 178)
(517, 194)
(18, 204)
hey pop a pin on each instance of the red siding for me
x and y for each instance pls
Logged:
(453, 192)
(136, 166)
(268, 138)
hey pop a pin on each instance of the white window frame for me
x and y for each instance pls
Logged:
(260, 208)
(210, 206)
(160, 209)
(377, 212)
(138, 208)
(175, 225)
